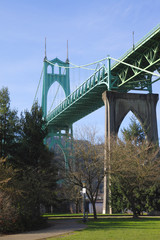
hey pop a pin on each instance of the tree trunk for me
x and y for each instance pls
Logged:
(135, 213)
(94, 209)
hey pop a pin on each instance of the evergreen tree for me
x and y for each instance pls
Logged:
(153, 198)
(28, 174)
(118, 201)
(9, 126)
(32, 151)
(37, 174)
(134, 132)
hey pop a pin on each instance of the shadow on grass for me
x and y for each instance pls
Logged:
(130, 223)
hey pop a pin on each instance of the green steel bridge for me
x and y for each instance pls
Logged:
(137, 70)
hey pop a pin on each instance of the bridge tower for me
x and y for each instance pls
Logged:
(56, 135)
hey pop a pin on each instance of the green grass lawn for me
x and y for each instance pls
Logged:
(78, 215)
(119, 228)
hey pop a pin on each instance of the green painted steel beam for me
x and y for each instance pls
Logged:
(145, 55)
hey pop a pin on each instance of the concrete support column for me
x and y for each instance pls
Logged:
(117, 105)
(108, 131)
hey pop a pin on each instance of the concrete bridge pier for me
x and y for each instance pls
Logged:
(117, 105)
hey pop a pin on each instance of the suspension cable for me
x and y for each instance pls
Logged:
(82, 66)
(76, 66)
(38, 86)
(89, 64)
(138, 68)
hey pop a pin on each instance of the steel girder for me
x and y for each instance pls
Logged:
(146, 56)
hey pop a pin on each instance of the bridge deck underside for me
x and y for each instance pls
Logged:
(80, 108)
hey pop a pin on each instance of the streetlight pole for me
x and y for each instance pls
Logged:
(84, 198)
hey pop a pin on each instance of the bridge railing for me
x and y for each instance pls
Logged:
(97, 77)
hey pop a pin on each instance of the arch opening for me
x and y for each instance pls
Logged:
(49, 69)
(59, 155)
(55, 96)
(131, 127)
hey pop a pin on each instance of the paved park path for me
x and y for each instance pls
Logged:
(57, 227)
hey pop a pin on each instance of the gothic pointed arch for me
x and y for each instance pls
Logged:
(142, 105)
(55, 95)
(125, 113)
(61, 75)
(130, 120)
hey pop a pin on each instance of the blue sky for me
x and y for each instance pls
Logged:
(94, 29)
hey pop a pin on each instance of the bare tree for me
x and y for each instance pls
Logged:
(85, 164)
